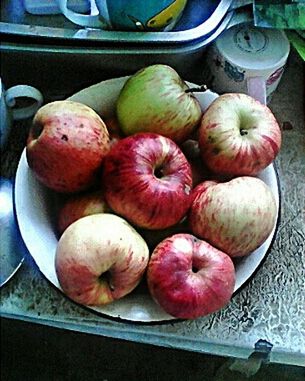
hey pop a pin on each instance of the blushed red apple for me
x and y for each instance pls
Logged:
(147, 180)
(66, 146)
(100, 258)
(238, 135)
(190, 278)
(235, 216)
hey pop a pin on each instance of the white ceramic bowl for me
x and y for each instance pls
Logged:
(35, 214)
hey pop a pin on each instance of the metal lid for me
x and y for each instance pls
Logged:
(12, 249)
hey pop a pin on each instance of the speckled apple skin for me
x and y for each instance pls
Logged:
(134, 190)
(154, 100)
(66, 146)
(236, 216)
(95, 245)
(238, 135)
(190, 278)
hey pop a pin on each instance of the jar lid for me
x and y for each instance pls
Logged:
(254, 48)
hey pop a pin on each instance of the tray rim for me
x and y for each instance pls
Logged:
(185, 36)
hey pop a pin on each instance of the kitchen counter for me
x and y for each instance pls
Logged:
(270, 309)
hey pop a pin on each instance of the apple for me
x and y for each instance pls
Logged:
(238, 135)
(66, 146)
(100, 258)
(78, 206)
(155, 99)
(236, 216)
(190, 278)
(148, 181)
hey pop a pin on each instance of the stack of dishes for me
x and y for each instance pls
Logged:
(54, 41)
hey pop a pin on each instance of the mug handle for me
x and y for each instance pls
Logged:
(257, 89)
(92, 20)
(19, 91)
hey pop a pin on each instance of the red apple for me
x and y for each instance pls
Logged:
(78, 206)
(238, 135)
(236, 216)
(155, 99)
(66, 146)
(190, 278)
(100, 258)
(148, 181)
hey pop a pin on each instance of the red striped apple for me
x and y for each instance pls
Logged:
(238, 135)
(155, 99)
(190, 278)
(148, 181)
(66, 146)
(99, 259)
(236, 216)
(78, 206)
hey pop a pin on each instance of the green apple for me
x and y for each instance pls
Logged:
(155, 99)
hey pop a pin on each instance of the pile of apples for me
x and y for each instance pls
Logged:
(163, 192)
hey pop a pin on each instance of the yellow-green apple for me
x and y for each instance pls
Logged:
(238, 135)
(235, 216)
(147, 180)
(100, 258)
(156, 99)
(78, 206)
(66, 146)
(190, 278)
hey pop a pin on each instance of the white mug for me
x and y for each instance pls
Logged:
(249, 60)
(8, 101)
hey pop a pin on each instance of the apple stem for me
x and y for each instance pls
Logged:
(200, 89)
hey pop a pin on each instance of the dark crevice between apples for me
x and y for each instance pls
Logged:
(36, 130)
